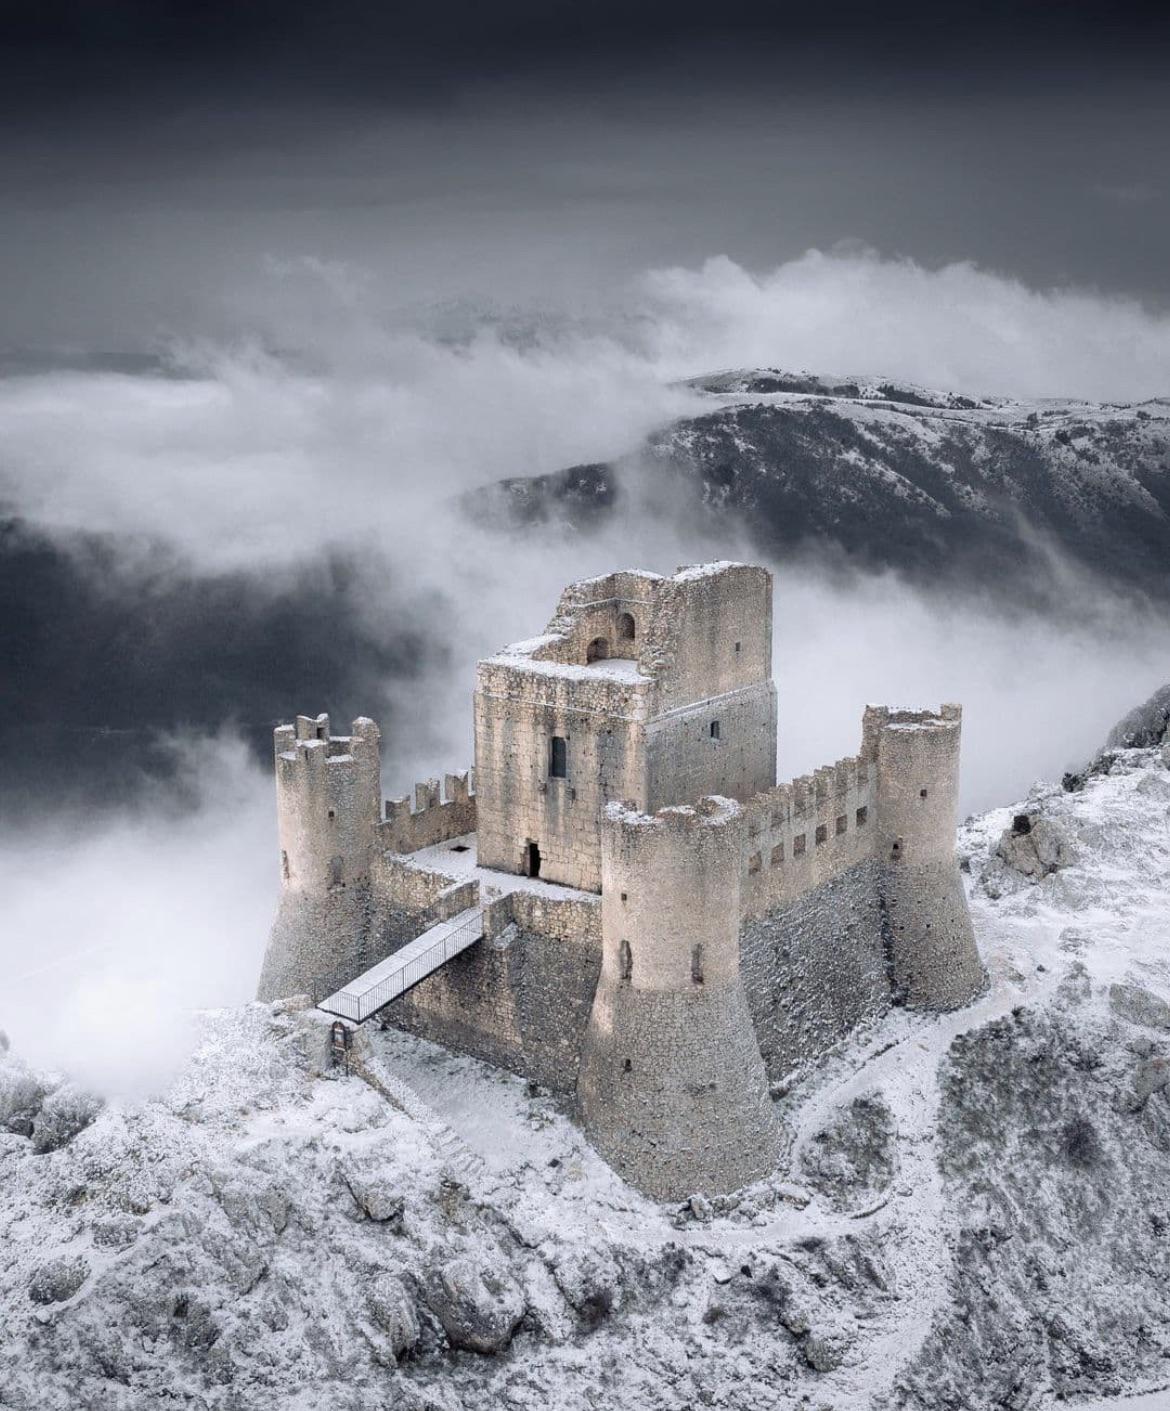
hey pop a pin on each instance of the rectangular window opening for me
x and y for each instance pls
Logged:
(777, 854)
(862, 817)
(558, 758)
(842, 823)
(822, 832)
(798, 845)
(715, 730)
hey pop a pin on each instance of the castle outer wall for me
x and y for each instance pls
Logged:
(676, 956)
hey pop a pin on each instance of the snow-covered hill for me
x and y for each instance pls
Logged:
(973, 1210)
(942, 488)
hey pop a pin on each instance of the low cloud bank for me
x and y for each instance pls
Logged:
(957, 328)
(254, 471)
(114, 934)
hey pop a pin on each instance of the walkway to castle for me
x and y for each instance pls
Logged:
(361, 998)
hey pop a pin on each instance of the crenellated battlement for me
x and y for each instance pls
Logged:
(309, 742)
(435, 815)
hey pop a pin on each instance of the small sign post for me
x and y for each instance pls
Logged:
(341, 1036)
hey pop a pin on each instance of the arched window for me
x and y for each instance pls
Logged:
(626, 629)
(626, 960)
(714, 729)
(597, 650)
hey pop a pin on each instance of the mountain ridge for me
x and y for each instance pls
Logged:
(940, 488)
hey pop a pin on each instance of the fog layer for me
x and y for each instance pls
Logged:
(350, 446)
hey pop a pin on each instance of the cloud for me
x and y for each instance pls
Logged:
(115, 931)
(222, 493)
(958, 327)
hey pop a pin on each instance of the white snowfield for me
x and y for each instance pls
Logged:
(972, 1211)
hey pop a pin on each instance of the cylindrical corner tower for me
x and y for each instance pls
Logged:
(672, 1085)
(328, 792)
(933, 956)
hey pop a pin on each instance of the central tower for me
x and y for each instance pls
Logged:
(643, 690)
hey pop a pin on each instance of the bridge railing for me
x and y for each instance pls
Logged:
(360, 1005)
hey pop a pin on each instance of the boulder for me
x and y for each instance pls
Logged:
(824, 1352)
(1034, 846)
(292, 1004)
(21, 1096)
(478, 1303)
(392, 1308)
(1150, 1076)
(590, 1280)
(57, 1279)
(1154, 786)
(1139, 1006)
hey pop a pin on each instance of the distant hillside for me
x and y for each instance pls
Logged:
(939, 487)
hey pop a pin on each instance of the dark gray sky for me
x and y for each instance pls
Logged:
(157, 159)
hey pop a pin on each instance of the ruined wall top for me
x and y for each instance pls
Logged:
(660, 643)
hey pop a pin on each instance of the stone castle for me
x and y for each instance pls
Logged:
(663, 931)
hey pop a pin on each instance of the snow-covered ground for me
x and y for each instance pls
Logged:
(972, 1210)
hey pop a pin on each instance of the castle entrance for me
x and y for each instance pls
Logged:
(532, 859)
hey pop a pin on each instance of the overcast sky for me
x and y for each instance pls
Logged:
(156, 159)
(385, 252)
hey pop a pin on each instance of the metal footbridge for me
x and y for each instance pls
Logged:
(390, 978)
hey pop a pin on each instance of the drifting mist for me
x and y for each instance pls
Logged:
(250, 529)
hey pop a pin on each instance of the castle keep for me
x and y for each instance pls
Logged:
(622, 903)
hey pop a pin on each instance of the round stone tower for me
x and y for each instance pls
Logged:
(672, 1087)
(933, 956)
(328, 794)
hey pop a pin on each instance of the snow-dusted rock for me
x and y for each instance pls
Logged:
(1139, 1006)
(852, 1160)
(1144, 726)
(57, 1280)
(1034, 846)
(392, 1308)
(590, 1280)
(63, 1114)
(478, 1302)
(21, 1096)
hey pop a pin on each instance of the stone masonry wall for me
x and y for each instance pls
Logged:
(816, 968)
(518, 711)
(672, 1086)
(802, 835)
(520, 998)
(436, 816)
(686, 762)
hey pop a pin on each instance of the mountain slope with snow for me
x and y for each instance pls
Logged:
(971, 1212)
(975, 492)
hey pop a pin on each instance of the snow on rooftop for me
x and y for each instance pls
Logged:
(693, 571)
(609, 668)
(457, 859)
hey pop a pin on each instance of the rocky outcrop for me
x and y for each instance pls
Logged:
(939, 489)
(1035, 846)
(1144, 726)
(852, 1160)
